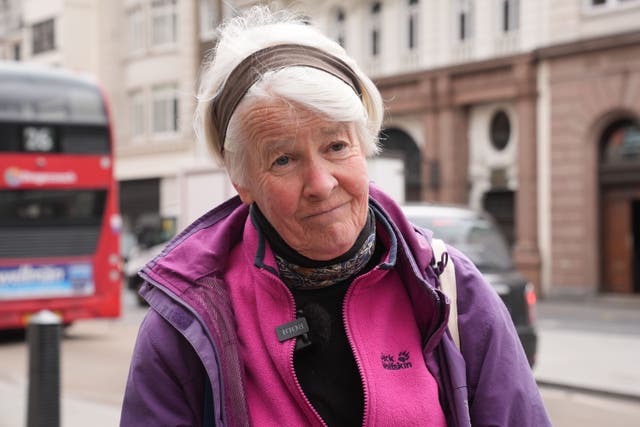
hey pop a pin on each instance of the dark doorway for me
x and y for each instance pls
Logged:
(635, 218)
(500, 204)
(139, 205)
(617, 263)
(139, 197)
(620, 206)
(396, 142)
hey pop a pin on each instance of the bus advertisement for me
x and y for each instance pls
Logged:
(59, 220)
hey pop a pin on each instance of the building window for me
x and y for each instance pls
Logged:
(136, 113)
(43, 34)
(339, 26)
(413, 24)
(621, 142)
(510, 11)
(209, 17)
(376, 24)
(10, 17)
(136, 30)
(464, 19)
(164, 22)
(165, 109)
(500, 130)
(597, 5)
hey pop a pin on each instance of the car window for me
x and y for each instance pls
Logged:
(486, 247)
(450, 230)
(477, 238)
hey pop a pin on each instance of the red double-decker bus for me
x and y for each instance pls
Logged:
(59, 221)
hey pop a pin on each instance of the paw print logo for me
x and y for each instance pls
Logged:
(403, 356)
(387, 358)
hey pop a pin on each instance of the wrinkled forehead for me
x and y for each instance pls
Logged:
(277, 122)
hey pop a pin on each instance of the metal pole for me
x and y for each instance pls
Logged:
(43, 334)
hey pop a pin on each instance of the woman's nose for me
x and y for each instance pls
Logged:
(319, 180)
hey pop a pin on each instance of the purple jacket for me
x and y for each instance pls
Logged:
(189, 334)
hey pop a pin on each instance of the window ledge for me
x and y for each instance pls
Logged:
(162, 49)
(151, 52)
(153, 145)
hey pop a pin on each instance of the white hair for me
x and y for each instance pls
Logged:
(312, 89)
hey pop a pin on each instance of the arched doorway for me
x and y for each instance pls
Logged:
(499, 200)
(397, 143)
(620, 206)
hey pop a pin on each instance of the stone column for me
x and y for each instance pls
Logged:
(446, 154)
(526, 253)
(430, 158)
(454, 155)
(446, 140)
(460, 178)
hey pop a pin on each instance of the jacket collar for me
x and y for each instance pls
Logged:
(207, 244)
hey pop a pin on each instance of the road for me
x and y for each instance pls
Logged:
(95, 359)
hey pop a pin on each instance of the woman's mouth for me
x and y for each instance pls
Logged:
(323, 212)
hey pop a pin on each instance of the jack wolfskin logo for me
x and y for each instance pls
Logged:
(394, 364)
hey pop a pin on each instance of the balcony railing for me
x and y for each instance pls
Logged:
(507, 43)
(462, 51)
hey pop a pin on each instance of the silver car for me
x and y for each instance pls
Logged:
(477, 236)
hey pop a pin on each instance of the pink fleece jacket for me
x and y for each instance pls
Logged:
(382, 331)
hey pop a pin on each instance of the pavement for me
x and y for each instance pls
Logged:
(74, 411)
(588, 345)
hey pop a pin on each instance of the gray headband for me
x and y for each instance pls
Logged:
(253, 67)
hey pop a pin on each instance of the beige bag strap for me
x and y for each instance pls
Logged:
(448, 286)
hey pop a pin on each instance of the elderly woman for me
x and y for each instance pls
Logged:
(309, 299)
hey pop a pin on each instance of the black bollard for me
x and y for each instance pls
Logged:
(43, 334)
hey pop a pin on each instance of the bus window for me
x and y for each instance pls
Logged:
(10, 137)
(53, 138)
(29, 98)
(46, 207)
(84, 140)
(50, 223)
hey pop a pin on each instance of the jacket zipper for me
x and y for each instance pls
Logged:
(423, 279)
(292, 347)
(440, 324)
(365, 392)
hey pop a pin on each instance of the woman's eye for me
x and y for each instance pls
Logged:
(281, 161)
(338, 146)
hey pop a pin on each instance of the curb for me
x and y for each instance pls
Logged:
(590, 391)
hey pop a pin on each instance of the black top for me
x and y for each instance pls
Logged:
(326, 370)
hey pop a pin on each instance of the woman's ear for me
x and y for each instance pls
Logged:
(244, 193)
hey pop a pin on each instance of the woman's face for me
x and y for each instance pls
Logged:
(308, 176)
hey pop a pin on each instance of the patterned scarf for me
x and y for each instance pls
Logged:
(299, 272)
